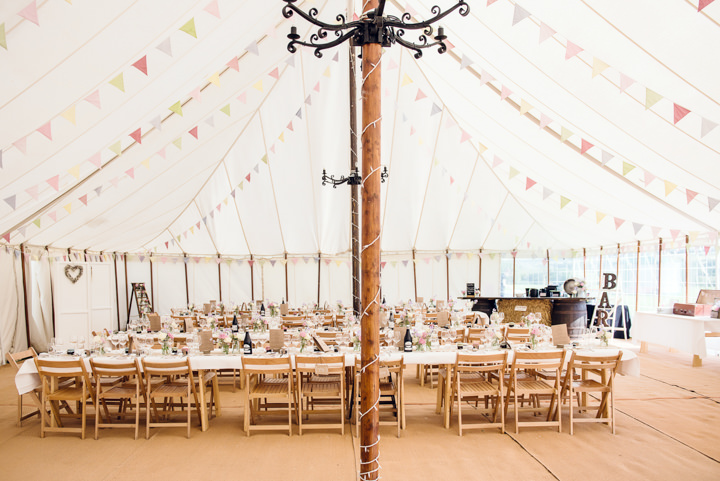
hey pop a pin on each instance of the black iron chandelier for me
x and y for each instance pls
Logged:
(352, 179)
(372, 27)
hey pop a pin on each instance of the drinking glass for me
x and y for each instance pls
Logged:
(501, 317)
(51, 346)
(453, 334)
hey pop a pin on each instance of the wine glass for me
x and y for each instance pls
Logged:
(81, 342)
(389, 336)
(51, 346)
(452, 334)
(501, 317)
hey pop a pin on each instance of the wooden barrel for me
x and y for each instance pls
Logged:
(571, 312)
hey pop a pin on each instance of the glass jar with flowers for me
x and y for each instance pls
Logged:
(604, 337)
(99, 343)
(535, 333)
(422, 339)
(305, 339)
(224, 342)
(356, 337)
(165, 339)
(273, 309)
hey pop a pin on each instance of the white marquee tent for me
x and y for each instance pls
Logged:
(145, 139)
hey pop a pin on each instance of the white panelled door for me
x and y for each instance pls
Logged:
(85, 305)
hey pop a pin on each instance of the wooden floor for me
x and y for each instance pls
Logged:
(668, 427)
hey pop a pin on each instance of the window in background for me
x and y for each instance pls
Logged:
(702, 270)
(672, 281)
(592, 274)
(530, 272)
(627, 277)
(648, 280)
(506, 275)
(563, 268)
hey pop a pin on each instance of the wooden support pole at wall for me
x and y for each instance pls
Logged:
(547, 255)
(617, 262)
(127, 296)
(637, 277)
(318, 290)
(187, 286)
(687, 277)
(152, 288)
(414, 274)
(117, 300)
(659, 270)
(252, 278)
(220, 279)
(584, 263)
(52, 293)
(512, 294)
(479, 270)
(287, 297)
(447, 272)
(25, 299)
(600, 274)
(354, 189)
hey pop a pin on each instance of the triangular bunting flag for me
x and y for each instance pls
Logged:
(233, 64)
(564, 201)
(290, 126)
(118, 82)
(702, 4)
(116, 148)
(275, 73)
(585, 146)
(146, 163)
(513, 172)
(565, 134)
(141, 64)
(131, 172)
(189, 28)
(690, 195)
(545, 32)
(258, 85)
(210, 121)
(11, 201)
(485, 77)
(83, 199)
(627, 168)
(519, 14)
(669, 187)
(162, 152)
(298, 114)
(464, 136)
(264, 158)
(226, 110)
(496, 161)
(54, 182)
(75, 171)
(3, 44)
(176, 108)
(465, 62)
(525, 107)
(712, 203)
(242, 97)
(636, 227)
(706, 126)
(505, 92)
(420, 95)
(625, 82)
(308, 100)
(98, 190)
(529, 183)
(406, 80)
(137, 136)
(165, 47)
(649, 178)
(53, 216)
(679, 112)
(326, 73)
(178, 143)
(37, 222)
(193, 132)
(215, 79)
(546, 193)
(606, 157)
(436, 109)
(29, 12)
(618, 222)
(69, 115)
(651, 98)
(247, 177)
(21, 144)
(156, 122)
(571, 50)
(544, 120)
(253, 48)
(94, 98)
(290, 61)
(599, 216)
(336, 57)
(212, 8)
(46, 130)
(481, 148)
(598, 67)
(1, 163)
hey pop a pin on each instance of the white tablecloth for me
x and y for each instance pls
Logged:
(684, 333)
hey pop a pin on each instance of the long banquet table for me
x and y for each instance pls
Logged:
(27, 378)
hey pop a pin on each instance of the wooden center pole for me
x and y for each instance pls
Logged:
(370, 257)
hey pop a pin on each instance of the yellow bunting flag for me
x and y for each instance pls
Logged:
(282, 137)
(177, 108)
(178, 143)
(564, 201)
(215, 79)
(627, 168)
(406, 80)
(651, 98)
(118, 82)
(241, 186)
(669, 187)
(565, 134)
(226, 110)
(525, 107)
(37, 222)
(598, 67)
(327, 72)
(75, 171)
(258, 86)
(189, 28)
(264, 158)
(3, 40)
(116, 148)
(146, 163)
(192, 229)
(513, 172)
(599, 216)
(68, 208)
(69, 115)
(481, 148)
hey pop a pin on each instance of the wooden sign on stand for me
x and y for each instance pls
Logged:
(605, 312)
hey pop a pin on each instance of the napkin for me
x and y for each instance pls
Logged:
(277, 339)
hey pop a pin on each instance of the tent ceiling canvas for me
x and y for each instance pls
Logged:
(186, 126)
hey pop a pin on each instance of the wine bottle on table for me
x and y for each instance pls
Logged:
(407, 342)
(262, 309)
(235, 325)
(247, 344)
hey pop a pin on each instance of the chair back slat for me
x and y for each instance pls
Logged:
(253, 365)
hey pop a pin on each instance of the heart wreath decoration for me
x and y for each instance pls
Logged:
(73, 273)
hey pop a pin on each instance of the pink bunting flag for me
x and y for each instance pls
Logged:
(193, 132)
(115, 181)
(464, 137)
(247, 177)
(290, 126)
(46, 130)
(53, 215)
(196, 93)
(545, 32)
(213, 9)
(83, 199)
(317, 87)
(452, 180)
(94, 98)
(571, 50)
(529, 183)
(141, 64)
(581, 210)
(137, 136)
(131, 172)
(490, 2)
(412, 130)
(496, 161)
(161, 153)
(679, 112)
(54, 182)
(690, 195)
(485, 77)
(6, 236)
(707, 249)
(544, 120)
(275, 73)
(618, 223)
(505, 92)
(242, 97)
(32, 192)
(649, 177)
(625, 82)
(702, 4)
(30, 13)
(234, 64)
(585, 146)
(674, 233)
(95, 160)
(420, 95)
(21, 144)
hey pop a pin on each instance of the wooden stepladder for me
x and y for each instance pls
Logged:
(605, 313)
(140, 296)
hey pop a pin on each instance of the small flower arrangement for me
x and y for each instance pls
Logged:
(356, 338)
(259, 324)
(273, 309)
(530, 319)
(224, 340)
(165, 338)
(191, 307)
(535, 333)
(405, 318)
(304, 339)
(451, 303)
(604, 336)
(99, 342)
(422, 339)
(221, 308)
(432, 301)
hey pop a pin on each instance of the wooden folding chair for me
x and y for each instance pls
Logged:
(269, 387)
(125, 393)
(392, 392)
(54, 390)
(320, 389)
(16, 360)
(472, 382)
